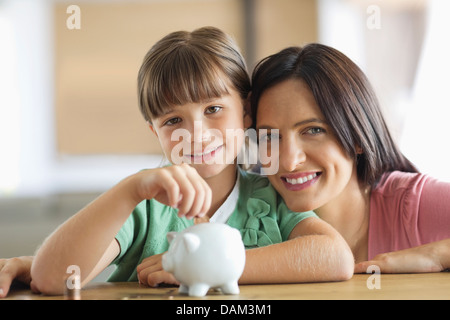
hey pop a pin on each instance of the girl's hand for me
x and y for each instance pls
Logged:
(427, 258)
(14, 269)
(178, 186)
(151, 273)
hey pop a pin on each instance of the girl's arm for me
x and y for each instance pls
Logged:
(87, 239)
(11, 269)
(83, 239)
(314, 252)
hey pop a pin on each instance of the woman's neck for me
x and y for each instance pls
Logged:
(349, 215)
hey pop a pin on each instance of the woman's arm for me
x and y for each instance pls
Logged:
(314, 252)
(432, 223)
(431, 257)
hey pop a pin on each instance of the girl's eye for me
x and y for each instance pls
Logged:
(172, 121)
(315, 131)
(212, 109)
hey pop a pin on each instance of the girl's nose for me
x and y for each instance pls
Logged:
(201, 132)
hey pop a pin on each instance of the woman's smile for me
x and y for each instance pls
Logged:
(300, 181)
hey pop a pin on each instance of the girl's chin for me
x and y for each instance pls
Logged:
(210, 170)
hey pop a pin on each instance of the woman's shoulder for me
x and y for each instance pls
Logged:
(406, 210)
(395, 182)
(396, 196)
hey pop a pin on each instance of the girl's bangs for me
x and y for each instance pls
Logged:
(190, 82)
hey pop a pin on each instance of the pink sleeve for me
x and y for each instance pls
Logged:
(408, 210)
(434, 211)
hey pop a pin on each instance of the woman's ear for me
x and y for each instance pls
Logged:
(247, 112)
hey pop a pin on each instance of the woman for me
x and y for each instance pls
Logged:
(337, 157)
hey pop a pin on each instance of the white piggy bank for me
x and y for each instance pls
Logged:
(204, 256)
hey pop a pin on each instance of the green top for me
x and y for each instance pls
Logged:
(260, 214)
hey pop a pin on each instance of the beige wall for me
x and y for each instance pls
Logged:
(284, 23)
(96, 66)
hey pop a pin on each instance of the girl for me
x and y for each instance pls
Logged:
(337, 157)
(192, 85)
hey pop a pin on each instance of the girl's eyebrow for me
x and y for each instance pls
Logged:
(162, 115)
(203, 102)
(297, 124)
(214, 99)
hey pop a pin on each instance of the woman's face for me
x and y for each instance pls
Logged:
(313, 168)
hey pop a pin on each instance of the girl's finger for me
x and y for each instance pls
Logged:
(200, 189)
(207, 202)
(187, 189)
(156, 278)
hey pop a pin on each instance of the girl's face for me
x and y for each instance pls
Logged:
(313, 167)
(208, 135)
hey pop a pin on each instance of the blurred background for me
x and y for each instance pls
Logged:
(70, 127)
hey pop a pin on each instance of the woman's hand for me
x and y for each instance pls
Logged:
(432, 257)
(14, 269)
(151, 273)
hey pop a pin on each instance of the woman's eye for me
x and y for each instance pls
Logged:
(212, 109)
(172, 121)
(315, 130)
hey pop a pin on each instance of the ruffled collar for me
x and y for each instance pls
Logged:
(261, 227)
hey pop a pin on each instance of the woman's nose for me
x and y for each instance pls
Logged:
(292, 154)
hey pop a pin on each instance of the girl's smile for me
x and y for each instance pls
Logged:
(206, 156)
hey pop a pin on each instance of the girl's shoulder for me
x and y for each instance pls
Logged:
(253, 177)
(255, 184)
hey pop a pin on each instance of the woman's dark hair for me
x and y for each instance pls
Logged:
(345, 98)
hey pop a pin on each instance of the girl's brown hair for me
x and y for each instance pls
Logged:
(185, 67)
(345, 98)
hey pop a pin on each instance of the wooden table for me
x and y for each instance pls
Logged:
(361, 287)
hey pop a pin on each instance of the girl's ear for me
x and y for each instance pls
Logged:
(152, 128)
(247, 112)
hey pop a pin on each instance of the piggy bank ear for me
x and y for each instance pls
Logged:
(191, 242)
(171, 236)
